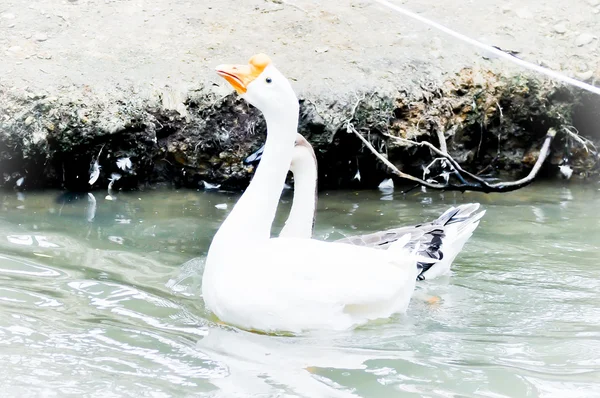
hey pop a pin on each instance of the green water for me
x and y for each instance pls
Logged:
(102, 298)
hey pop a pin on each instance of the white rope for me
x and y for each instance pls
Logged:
(499, 53)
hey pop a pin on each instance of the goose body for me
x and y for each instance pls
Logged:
(293, 284)
(298, 284)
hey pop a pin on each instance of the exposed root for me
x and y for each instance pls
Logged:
(479, 184)
(585, 143)
(442, 140)
(350, 129)
(443, 154)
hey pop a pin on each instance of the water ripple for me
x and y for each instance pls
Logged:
(17, 266)
(111, 305)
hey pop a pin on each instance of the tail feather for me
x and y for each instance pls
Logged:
(457, 214)
(435, 244)
(406, 253)
(459, 224)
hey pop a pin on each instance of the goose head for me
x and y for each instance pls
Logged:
(261, 84)
(304, 155)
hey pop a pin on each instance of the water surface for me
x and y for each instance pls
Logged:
(101, 298)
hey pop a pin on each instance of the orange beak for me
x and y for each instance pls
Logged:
(240, 76)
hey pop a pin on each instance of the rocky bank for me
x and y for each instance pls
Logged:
(492, 124)
(83, 85)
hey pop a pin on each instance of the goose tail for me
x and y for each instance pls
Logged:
(456, 226)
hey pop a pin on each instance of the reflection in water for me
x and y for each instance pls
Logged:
(91, 209)
(30, 240)
(262, 363)
(100, 296)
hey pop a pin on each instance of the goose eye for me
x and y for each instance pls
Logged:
(268, 80)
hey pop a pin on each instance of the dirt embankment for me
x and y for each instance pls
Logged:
(84, 82)
(492, 124)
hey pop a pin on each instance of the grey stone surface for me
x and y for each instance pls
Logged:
(50, 44)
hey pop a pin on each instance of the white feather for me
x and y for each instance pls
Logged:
(113, 177)
(386, 184)
(95, 173)
(124, 164)
(566, 171)
(208, 185)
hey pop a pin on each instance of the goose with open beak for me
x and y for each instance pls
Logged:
(289, 284)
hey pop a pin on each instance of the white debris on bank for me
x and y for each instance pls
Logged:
(566, 171)
(386, 184)
(95, 173)
(208, 185)
(95, 169)
(113, 177)
(124, 164)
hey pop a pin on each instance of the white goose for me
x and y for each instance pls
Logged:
(301, 220)
(441, 239)
(293, 284)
